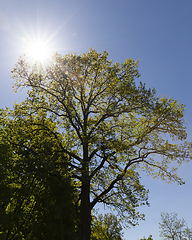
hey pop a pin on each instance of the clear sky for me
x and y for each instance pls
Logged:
(159, 33)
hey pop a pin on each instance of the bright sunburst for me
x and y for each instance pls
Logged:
(38, 51)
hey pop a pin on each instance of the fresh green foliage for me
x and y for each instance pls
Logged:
(106, 227)
(108, 126)
(37, 199)
(174, 228)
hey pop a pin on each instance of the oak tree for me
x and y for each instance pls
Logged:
(112, 127)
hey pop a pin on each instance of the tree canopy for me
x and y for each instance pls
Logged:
(108, 126)
(37, 199)
(106, 227)
(174, 228)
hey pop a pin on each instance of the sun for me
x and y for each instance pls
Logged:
(38, 51)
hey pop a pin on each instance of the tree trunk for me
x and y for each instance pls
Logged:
(85, 212)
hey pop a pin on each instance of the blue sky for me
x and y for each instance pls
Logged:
(159, 33)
